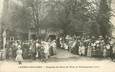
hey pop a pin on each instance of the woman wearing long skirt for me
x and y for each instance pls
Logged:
(89, 51)
(10, 54)
(81, 50)
(19, 57)
(53, 45)
(108, 50)
(104, 52)
(45, 51)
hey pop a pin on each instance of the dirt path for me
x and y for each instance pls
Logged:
(61, 53)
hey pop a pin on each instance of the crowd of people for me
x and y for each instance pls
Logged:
(32, 49)
(83, 45)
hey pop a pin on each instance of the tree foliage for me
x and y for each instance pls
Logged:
(68, 15)
(103, 18)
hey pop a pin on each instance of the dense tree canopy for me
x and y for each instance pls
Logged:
(67, 15)
(103, 18)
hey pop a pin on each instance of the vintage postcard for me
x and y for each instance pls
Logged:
(57, 35)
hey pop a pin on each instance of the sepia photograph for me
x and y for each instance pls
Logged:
(57, 35)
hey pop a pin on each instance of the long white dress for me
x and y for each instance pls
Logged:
(104, 52)
(46, 48)
(81, 50)
(19, 55)
(89, 51)
(53, 44)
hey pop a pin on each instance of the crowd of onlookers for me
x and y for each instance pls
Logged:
(83, 45)
(32, 49)
(92, 46)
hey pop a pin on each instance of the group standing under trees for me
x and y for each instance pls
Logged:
(71, 16)
(83, 45)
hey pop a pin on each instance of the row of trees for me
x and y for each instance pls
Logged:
(68, 15)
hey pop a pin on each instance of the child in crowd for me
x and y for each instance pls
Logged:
(19, 57)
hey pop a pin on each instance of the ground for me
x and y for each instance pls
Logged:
(62, 62)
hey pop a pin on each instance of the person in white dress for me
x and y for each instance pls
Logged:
(108, 50)
(65, 46)
(89, 51)
(38, 45)
(19, 57)
(104, 52)
(82, 50)
(53, 45)
(46, 50)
